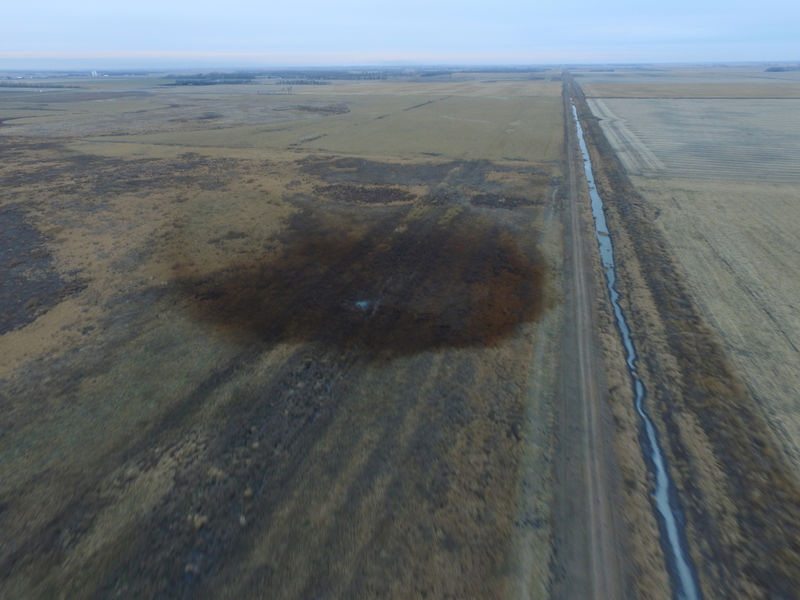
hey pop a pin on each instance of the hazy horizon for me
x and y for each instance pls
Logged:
(166, 65)
(245, 34)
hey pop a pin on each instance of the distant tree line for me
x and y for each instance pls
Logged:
(236, 77)
(289, 77)
(326, 74)
(304, 82)
(478, 69)
(321, 76)
(435, 73)
(11, 84)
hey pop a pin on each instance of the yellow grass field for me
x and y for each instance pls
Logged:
(495, 121)
(267, 344)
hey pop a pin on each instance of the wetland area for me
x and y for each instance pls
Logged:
(264, 338)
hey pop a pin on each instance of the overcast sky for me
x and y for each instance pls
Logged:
(167, 33)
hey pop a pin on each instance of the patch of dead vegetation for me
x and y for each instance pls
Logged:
(166, 439)
(391, 283)
(360, 194)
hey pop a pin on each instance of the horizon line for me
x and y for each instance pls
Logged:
(170, 59)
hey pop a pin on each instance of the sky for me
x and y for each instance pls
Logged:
(245, 33)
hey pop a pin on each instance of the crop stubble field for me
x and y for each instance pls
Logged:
(298, 344)
(702, 205)
(722, 177)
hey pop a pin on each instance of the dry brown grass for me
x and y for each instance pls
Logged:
(147, 452)
(502, 121)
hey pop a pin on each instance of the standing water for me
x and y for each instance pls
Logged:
(668, 514)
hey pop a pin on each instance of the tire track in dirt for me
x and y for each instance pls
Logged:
(586, 530)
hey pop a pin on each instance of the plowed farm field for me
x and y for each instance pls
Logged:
(722, 179)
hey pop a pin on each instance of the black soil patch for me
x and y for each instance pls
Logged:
(30, 284)
(472, 175)
(361, 194)
(500, 201)
(375, 287)
(360, 170)
(94, 178)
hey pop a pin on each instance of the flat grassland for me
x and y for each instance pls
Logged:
(259, 343)
(722, 177)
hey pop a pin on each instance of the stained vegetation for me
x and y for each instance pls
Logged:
(476, 174)
(187, 451)
(361, 194)
(385, 283)
(352, 285)
(49, 166)
(30, 284)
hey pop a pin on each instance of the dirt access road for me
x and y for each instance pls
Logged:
(586, 525)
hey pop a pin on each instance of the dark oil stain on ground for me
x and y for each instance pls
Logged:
(369, 285)
(471, 173)
(360, 194)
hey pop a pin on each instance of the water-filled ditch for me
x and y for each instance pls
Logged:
(668, 512)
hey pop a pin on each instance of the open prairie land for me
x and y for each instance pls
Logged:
(259, 343)
(701, 196)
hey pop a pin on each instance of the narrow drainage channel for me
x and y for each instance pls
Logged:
(682, 571)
